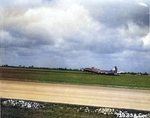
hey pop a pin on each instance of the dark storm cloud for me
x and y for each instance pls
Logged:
(119, 12)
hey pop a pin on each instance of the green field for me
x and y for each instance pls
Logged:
(75, 78)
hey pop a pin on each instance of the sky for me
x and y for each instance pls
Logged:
(76, 34)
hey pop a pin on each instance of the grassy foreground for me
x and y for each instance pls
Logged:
(51, 110)
(75, 77)
(54, 110)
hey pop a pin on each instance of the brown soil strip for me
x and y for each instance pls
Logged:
(76, 94)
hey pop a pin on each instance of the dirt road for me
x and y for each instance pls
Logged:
(76, 94)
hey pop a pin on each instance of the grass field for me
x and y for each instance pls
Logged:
(75, 77)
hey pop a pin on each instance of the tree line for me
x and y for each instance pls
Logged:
(20, 66)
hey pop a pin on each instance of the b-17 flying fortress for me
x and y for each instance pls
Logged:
(113, 71)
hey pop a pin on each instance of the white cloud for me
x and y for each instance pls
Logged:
(146, 42)
(131, 35)
(65, 20)
(143, 4)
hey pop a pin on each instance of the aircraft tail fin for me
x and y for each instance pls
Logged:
(114, 69)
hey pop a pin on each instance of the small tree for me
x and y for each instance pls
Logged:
(20, 66)
(145, 73)
(31, 66)
(6, 65)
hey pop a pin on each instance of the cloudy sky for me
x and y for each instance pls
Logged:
(76, 34)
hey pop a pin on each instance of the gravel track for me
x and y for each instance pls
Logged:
(77, 94)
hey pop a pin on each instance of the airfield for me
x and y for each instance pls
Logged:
(18, 84)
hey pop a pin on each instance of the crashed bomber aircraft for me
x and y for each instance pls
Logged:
(98, 71)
